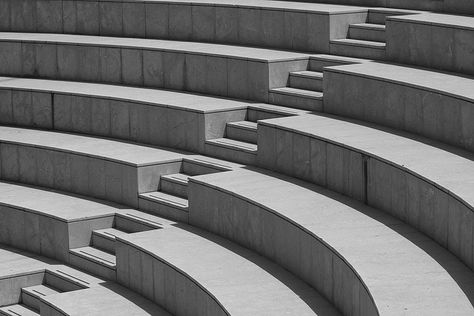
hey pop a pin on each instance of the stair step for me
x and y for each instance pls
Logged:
(378, 15)
(30, 296)
(200, 165)
(367, 31)
(297, 98)
(307, 80)
(231, 149)
(244, 131)
(17, 310)
(175, 184)
(94, 260)
(104, 239)
(263, 111)
(320, 61)
(63, 281)
(358, 48)
(163, 204)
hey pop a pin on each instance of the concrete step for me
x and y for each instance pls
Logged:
(94, 260)
(320, 61)
(378, 15)
(30, 296)
(163, 204)
(263, 111)
(358, 48)
(306, 80)
(134, 221)
(175, 184)
(200, 165)
(17, 310)
(297, 98)
(104, 239)
(63, 281)
(245, 131)
(231, 149)
(367, 31)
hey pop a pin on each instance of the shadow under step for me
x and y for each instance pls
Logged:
(307, 80)
(264, 111)
(31, 296)
(165, 205)
(367, 31)
(95, 261)
(232, 150)
(358, 48)
(175, 184)
(104, 239)
(17, 310)
(244, 131)
(297, 98)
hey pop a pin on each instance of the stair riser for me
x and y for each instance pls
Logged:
(173, 188)
(30, 301)
(245, 135)
(318, 65)
(298, 102)
(194, 169)
(230, 154)
(103, 243)
(92, 267)
(166, 211)
(131, 226)
(305, 83)
(60, 283)
(366, 34)
(357, 51)
(254, 115)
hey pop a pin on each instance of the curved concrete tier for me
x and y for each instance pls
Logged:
(191, 272)
(432, 104)
(224, 70)
(364, 261)
(438, 41)
(427, 186)
(276, 24)
(157, 117)
(34, 285)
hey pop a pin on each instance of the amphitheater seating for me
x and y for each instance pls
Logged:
(131, 132)
(426, 186)
(358, 257)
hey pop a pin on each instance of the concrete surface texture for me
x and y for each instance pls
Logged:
(236, 157)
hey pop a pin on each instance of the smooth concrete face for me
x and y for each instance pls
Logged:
(191, 67)
(306, 27)
(437, 41)
(441, 111)
(420, 195)
(10, 286)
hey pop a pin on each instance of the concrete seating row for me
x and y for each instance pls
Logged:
(423, 184)
(432, 40)
(364, 261)
(222, 70)
(436, 105)
(156, 117)
(34, 285)
(275, 24)
(191, 272)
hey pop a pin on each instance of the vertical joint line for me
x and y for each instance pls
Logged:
(365, 160)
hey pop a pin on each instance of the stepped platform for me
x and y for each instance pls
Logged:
(200, 274)
(275, 24)
(364, 261)
(222, 70)
(34, 285)
(436, 105)
(424, 184)
(439, 41)
(157, 117)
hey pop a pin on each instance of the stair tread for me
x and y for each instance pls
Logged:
(177, 177)
(298, 92)
(18, 310)
(96, 255)
(280, 109)
(233, 144)
(40, 290)
(371, 26)
(110, 233)
(357, 42)
(166, 198)
(244, 124)
(307, 74)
